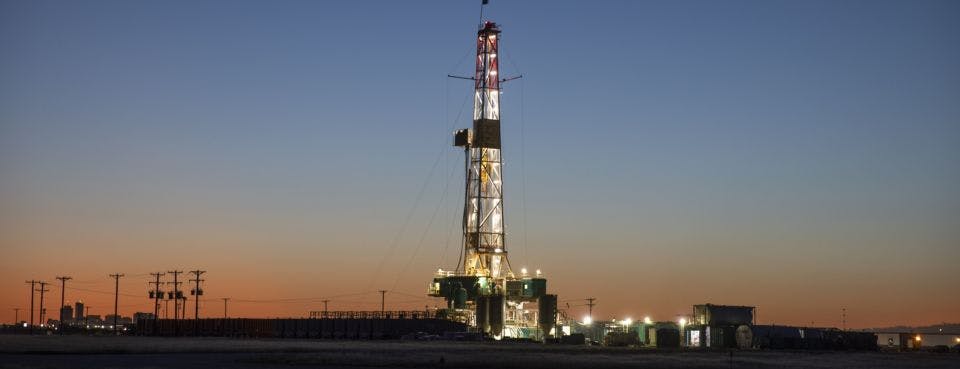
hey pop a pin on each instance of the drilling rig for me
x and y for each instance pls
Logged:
(483, 291)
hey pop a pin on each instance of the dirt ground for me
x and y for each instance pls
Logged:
(206, 353)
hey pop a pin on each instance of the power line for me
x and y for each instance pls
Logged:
(590, 305)
(406, 221)
(423, 236)
(103, 292)
(225, 299)
(466, 98)
(33, 285)
(43, 288)
(422, 297)
(196, 292)
(383, 297)
(176, 296)
(302, 299)
(157, 295)
(63, 290)
(138, 305)
(116, 298)
(523, 167)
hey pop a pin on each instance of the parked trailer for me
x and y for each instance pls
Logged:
(667, 338)
(785, 337)
(329, 328)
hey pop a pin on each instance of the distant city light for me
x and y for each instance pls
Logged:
(647, 320)
(587, 320)
(627, 321)
(917, 338)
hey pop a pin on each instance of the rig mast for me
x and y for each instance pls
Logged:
(485, 253)
(483, 291)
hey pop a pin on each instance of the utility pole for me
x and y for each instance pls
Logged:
(157, 296)
(63, 290)
(196, 299)
(383, 296)
(176, 300)
(116, 299)
(843, 318)
(225, 299)
(16, 316)
(325, 307)
(43, 288)
(590, 305)
(196, 292)
(33, 285)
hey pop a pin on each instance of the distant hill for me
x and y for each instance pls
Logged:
(952, 328)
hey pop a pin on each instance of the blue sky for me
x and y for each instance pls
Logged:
(815, 135)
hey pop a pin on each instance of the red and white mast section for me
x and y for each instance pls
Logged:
(485, 251)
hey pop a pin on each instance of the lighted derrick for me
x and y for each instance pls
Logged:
(484, 252)
(483, 290)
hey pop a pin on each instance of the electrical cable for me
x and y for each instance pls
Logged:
(423, 236)
(406, 221)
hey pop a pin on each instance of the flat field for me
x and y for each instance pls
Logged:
(150, 352)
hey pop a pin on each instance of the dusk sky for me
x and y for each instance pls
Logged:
(801, 156)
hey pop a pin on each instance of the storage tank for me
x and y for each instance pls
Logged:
(460, 298)
(496, 305)
(547, 316)
(744, 337)
(483, 312)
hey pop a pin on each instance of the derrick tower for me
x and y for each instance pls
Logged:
(483, 290)
(483, 228)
